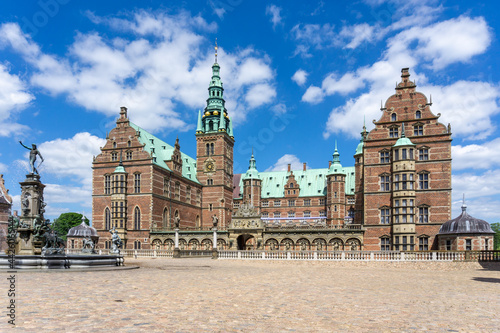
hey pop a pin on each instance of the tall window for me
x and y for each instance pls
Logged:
(137, 245)
(385, 216)
(177, 191)
(137, 183)
(385, 244)
(394, 132)
(265, 203)
(418, 130)
(468, 244)
(307, 213)
(423, 244)
(137, 218)
(393, 117)
(114, 156)
(277, 203)
(385, 183)
(322, 213)
(307, 202)
(265, 215)
(198, 197)
(423, 214)
(277, 214)
(448, 245)
(107, 219)
(166, 187)
(188, 194)
(384, 157)
(418, 114)
(210, 181)
(291, 214)
(107, 184)
(423, 181)
(423, 154)
(321, 201)
(291, 202)
(129, 155)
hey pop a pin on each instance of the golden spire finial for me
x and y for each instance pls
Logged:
(216, 49)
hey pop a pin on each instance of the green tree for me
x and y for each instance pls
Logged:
(496, 241)
(67, 221)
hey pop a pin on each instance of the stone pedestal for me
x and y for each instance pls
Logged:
(32, 210)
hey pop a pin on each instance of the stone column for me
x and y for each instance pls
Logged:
(214, 250)
(177, 253)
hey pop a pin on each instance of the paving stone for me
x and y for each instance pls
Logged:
(204, 295)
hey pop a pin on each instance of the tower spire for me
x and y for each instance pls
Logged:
(216, 48)
(464, 206)
(403, 131)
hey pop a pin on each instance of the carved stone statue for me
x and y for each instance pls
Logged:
(215, 221)
(53, 243)
(33, 153)
(88, 245)
(354, 245)
(40, 228)
(177, 222)
(116, 241)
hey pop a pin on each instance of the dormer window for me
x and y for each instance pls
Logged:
(418, 114)
(114, 144)
(393, 117)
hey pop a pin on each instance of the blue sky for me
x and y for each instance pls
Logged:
(297, 75)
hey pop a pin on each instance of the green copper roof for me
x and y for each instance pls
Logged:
(403, 140)
(161, 152)
(359, 148)
(312, 182)
(120, 168)
(336, 167)
(252, 172)
(199, 126)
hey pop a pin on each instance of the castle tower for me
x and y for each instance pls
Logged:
(214, 154)
(403, 193)
(359, 181)
(252, 185)
(335, 193)
(119, 201)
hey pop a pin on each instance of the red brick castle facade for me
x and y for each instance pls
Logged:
(396, 196)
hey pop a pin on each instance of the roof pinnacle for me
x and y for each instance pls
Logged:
(464, 206)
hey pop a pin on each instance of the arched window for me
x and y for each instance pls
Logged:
(208, 149)
(165, 218)
(393, 117)
(107, 219)
(210, 125)
(137, 218)
(137, 245)
(418, 115)
(211, 148)
(114, 144)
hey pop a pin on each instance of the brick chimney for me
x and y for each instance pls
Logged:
(329, 164)
(289, 167)
(304, 166)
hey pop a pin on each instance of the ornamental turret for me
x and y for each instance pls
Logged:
(335, 191)
(252, 184)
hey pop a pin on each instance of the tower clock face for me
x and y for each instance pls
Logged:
(210, 166)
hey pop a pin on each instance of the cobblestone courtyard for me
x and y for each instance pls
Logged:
(204, 295)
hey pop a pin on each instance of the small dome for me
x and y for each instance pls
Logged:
(465, 224)
(82, 230)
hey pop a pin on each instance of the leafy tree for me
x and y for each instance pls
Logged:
(67, 221)
(496, 241)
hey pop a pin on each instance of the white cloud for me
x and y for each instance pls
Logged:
(475, 156)
(300, 77)
(447, 42)
(313, 95)
(72, 157)
(476, 185)
(274, 12)
(283, 161)
(14, 97)
(3, 168)
(55, 193)
(279, 109)
(167, 63)
(359, 33)
(260, 94)
(454, 101)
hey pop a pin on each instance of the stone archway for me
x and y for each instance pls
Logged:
(246, 242)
